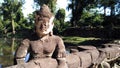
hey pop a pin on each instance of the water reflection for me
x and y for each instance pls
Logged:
(7, 51)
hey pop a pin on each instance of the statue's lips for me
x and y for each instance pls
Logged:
(43, 30)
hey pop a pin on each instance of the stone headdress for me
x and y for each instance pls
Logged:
(44, 12)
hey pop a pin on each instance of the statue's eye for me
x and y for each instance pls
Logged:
(44, 24)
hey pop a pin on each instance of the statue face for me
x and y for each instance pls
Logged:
(44, 26)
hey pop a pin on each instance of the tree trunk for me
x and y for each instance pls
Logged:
(104, 10)
(112, 13)
(13, 27)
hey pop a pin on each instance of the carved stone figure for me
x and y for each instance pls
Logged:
(44, 46)
(82, 57)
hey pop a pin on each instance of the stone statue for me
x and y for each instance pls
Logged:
(43, 45)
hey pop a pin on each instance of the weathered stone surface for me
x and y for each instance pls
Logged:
(38, 63)
(85, 59)
(73, 61)
(94, 54)
(82, 59)
(74, 50)
(81, 48)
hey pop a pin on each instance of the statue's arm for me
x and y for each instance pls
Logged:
(61, 56)
(22, 51)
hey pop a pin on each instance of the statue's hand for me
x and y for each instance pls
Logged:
(20, 61)
(62, 63)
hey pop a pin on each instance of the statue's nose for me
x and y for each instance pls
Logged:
(42, 26)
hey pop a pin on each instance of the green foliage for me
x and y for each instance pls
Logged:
(57, 27)
(1, 24)
(59, 22)
(30, 22)
(11, 10)
(90, 19)
(97, 20)
(78, 6)
(108, 3)
(60, 15)
(12, 18)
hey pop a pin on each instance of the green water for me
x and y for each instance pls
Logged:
(7, 51)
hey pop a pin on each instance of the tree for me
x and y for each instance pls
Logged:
(91, 18)
(1, 24)
(11, 10)
(60, 17)
(29, 22)
(108, 3)
(77, 7)
(110, 20)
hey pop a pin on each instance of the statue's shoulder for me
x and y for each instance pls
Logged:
(57, 38)
(25, 41)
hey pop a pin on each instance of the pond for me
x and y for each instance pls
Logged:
(8, 48)
(7, 51)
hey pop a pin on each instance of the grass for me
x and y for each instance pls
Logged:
(77, 40)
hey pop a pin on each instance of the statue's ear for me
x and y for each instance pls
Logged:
(51, 20)
(51, 33)
(51, 25)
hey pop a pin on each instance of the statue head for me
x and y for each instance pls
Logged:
(44, 21)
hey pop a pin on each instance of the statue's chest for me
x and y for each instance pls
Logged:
(43, 46)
